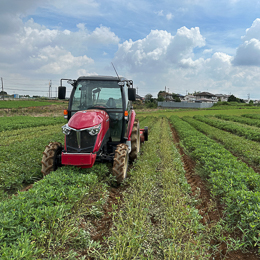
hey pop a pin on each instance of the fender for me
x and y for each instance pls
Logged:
(130, 125)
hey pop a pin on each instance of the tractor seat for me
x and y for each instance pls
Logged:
(111, 103)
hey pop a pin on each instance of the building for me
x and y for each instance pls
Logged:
(205, 97)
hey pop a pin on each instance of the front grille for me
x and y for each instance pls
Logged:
(80, 142)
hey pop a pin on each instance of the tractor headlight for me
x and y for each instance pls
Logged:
(94, 130)
(66, 129)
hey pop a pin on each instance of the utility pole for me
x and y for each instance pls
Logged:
(3, 88)
(50, 94)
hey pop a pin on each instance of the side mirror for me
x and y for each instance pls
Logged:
(61, 92)
(132, 94)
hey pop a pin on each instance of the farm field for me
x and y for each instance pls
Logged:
(193, 193)
(23, 103)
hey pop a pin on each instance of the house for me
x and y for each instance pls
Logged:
(205, 97)
(139, 98)
(166, 96)
(180, 96)
(189, 98)
(222, 97)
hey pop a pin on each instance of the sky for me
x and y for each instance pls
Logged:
(183, 46)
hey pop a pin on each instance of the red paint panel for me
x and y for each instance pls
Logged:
(87, 118)
(81, 160)
(130, 125)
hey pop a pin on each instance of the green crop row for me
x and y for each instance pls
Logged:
(18, 122)
(248, 150)
(157, 219)
(253, 116)
(242, 120)
(233, 181)
(21, 155)
(247, 131)
(41, 220)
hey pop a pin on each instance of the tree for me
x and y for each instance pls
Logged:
(176, 97)
(160, 98)
(148, 97)
(3, 92)
(232, 98)
(160, 93)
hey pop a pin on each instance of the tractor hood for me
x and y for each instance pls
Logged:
(89, 118)
(95, 122)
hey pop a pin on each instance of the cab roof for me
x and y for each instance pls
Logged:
(105, 78)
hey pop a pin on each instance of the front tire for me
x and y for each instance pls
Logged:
(135, 141)
(120, 164)
(50, 159)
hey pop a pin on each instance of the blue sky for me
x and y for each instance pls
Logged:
(187, 46)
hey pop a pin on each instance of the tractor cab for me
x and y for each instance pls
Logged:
(104, 93)
(102, 126)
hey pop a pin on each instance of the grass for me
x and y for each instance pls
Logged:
(193, 112)
(23, 103)
(157, 219)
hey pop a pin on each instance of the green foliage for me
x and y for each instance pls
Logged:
(21, 154)
(29, 221)
(232, 98)
(235, 128)
(23, 103)
(176, 97)
(19, 122)
(242, 120)
(232, 180)
(253, 116)
(160, 98)
(159, 193)
(248, 150)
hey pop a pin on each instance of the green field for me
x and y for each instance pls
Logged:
(23, 103)
(155, 213)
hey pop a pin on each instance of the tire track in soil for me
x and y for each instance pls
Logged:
(102, 226)
(210, 211)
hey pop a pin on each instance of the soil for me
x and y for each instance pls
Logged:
(210, 209)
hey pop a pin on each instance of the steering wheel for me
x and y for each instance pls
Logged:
(100, 105)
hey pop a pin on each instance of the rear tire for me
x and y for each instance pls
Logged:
(50, 160)
(135, 141)
(120, 164)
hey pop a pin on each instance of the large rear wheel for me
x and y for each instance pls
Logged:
(120, 164)
(135, 141)
(50, 159)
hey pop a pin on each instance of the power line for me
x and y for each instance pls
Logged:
(26, 90)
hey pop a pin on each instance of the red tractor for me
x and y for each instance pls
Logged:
(102, 126)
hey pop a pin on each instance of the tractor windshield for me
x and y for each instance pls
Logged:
(95, 93)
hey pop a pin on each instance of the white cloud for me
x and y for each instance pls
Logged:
(159, 49)
(206, 51)
(42, 50)
(57, 60)
(160, 13)
(169, 16)
(248, 53)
